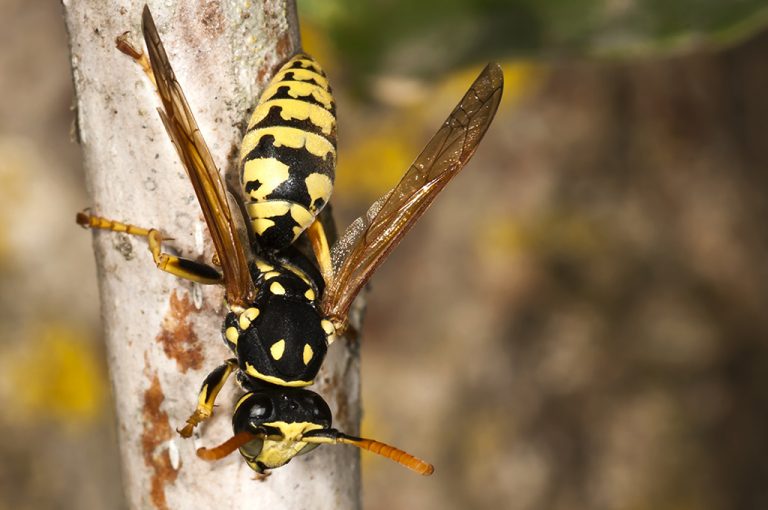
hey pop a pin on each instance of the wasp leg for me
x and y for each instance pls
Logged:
(177, 266)
(207, 397)
(137, 55)
(319, 242)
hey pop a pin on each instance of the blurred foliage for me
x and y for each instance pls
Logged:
(385, 143)
(430, 36)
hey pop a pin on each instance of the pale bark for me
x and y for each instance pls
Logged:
(163, 334)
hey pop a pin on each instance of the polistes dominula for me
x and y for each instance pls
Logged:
(284, 309)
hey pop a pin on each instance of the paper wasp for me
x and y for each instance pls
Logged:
(285, 308)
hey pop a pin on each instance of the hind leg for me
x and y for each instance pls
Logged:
(177, 266)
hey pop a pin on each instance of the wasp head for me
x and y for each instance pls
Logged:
(278, 418)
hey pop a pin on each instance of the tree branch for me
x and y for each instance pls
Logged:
(163, 335)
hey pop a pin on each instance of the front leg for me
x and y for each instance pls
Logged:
(177, 266)
(207, 397)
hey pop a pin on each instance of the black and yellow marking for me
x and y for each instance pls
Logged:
(207, 396)
(177, 266)
(283, 311)
(273, 425)
(288, 154)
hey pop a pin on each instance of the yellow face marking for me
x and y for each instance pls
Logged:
(277, 349)
(295, 430)
(231, 334)
(247, 317)
(310, 294)
(308, 353)
(276, 288)
(275, 453)
(250, 370)
(295, 109)
(270, 172)
(292, 137)
(319, 186)
(297, 90)
(327, 327)
(271, 274)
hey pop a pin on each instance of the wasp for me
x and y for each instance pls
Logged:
(285, 308)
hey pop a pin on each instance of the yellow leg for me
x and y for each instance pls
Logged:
(319, 242)
(207, 397)
(177, 266)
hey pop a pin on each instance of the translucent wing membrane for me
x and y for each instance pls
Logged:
(194, 154)
(369, 239)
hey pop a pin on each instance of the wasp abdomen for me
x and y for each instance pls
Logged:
(288, 155)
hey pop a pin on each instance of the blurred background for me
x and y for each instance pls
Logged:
(580, 320)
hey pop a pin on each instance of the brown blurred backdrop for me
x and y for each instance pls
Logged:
(579, 322)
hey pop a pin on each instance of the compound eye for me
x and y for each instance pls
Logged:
(260, 410)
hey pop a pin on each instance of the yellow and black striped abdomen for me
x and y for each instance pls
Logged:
(288, 156)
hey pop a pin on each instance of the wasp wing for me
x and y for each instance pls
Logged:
(202, 171)
(368, 241)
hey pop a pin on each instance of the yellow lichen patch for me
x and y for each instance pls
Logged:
(277, 349)
(307, 354)
(58, 378)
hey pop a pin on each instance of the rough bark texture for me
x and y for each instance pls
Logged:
(163, 334)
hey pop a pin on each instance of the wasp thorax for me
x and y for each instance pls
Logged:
(284, 344)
